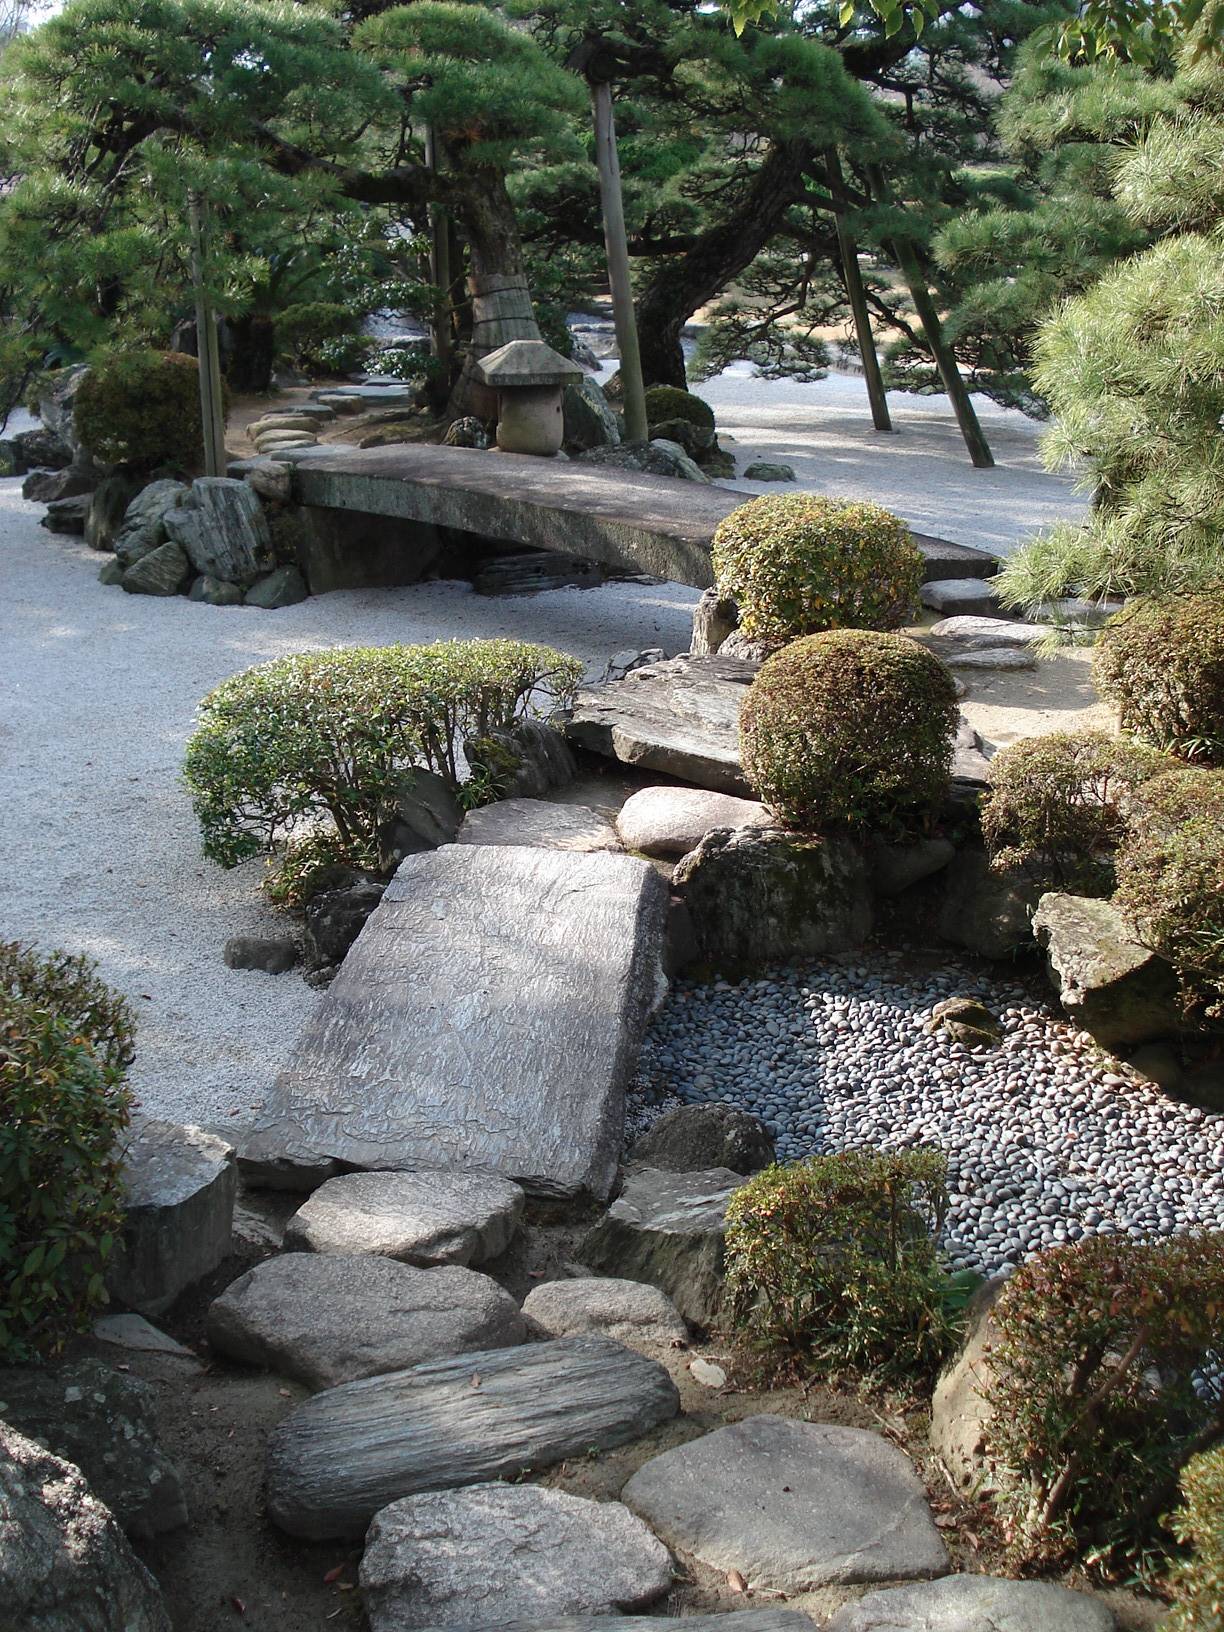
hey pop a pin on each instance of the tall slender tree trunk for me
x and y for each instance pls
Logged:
(497, 283)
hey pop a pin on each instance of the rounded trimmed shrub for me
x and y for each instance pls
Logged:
(333, 737)
(1161, 661)
(142, 408)
(1171, 879)
(1198, 1581)
(1055, 807)
(851, 728)
(65, 1045)
(322, 336)
(797, 563)
(664, 402)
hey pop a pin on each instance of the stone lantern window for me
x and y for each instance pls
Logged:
(529, 378)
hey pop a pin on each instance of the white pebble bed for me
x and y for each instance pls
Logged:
(1047, 1139)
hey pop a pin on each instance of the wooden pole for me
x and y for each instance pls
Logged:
(440, 335)
(848, 251)
(619, 278)
(208, 355)
(945, 359)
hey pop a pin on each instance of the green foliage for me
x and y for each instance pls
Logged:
(1171, 880)
(1161, 662)
(851, 728)
(1056, 807)
(665, 402)
(1098, 1395)
(833, 1259)
(798, 563)
(321, 336)
(334, 736)
(65, 1044)
(1198, 1582)
(142, 408)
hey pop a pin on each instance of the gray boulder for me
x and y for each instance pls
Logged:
(42, 449)
(986, 912)
(178, 1211)
(419, 1218)
(111, 572)
(335, 918)
(102, 1422)
(714, 618)
(631, 1312)
(960, 1412)
(270, 479)
(328, 1318)
(766, 470)
(466, 432)
(163, 571)
(696, 1138)
(588, 418)
(221, 526)
(65, 1565)
(214, 591)
(56, 403)
(895, 867)
(67, 516)
(673, 821)
(975, 1603)
(107, 509)
(338, 1458)
(1107, 984)
(744, 1620)
(448, 1558)
(668, 1229)
(527, 760)
(966, 1020)
(143, 527)
(656, 458)
(47, 486)
(283, 586)
(760, 896)
(426, 815)
(792, 1505)
(270, 954)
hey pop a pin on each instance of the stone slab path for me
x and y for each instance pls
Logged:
(487, 1017)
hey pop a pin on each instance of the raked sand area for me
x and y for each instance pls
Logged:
(100, 853)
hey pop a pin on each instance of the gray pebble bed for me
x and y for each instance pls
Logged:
(1047, 1138)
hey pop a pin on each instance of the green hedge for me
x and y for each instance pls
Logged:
(142, 408)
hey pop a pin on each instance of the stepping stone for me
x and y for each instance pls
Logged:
(631, 1312)
(970, 763)
(668, 1229)
(451, 1557)
(673, 821)
(489, 1018)
(178, 1214)
(1010, 658)
(419, 1218)
(792, 1505)
(976, 633)
(680, 716)
(541, 824)
(943, 560)
(103, 1423)
(340, 1457)
(743, 1620)
(975, 1603)
(970, 596)
(328, 1318)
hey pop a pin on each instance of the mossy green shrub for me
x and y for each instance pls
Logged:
(142, 408)
(1097, 1391)
(1161, 661)
(1055, 808)
(833, 1259)
(65, 1045)
(797, 563)
(664, 402)
(1171, 880)
(850, 729)
(1198, 1581)
(321, 336)
(332, 737)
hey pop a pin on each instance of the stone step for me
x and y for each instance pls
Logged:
(943, 559)
(965, 596)
(488, 1017)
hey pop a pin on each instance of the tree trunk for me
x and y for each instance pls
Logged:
(497, 283)
(682, 284)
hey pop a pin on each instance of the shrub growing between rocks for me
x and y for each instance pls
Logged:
(1161, 662)
(1198, 1581)
(851, 728)
(335, 736)
(797, 563)
(65, 1044)
(1098, 1394)
(1055, 809)
(834, 1258)
(142, 408)
(664, 402)
(1171, 879)
(321, 336)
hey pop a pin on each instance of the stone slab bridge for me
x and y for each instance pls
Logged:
(622, 519)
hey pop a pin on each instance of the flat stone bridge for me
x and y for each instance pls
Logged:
(636, 523)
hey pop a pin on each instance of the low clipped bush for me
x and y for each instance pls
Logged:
(332, 738)
(142, 408)
(321, 336)
(851, 728)
(1099, 1394)
(664, 402)
(1055, 807)
(1198, 1581)
(1161, 661)
(833, 1259)
(65, 1045)
(797, 563)
(1171, 880)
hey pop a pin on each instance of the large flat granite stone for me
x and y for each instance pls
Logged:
(488, 1017)
(741, 1620)
(975, 1603)
(340, 1457)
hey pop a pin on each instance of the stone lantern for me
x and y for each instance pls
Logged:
(529, 378)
